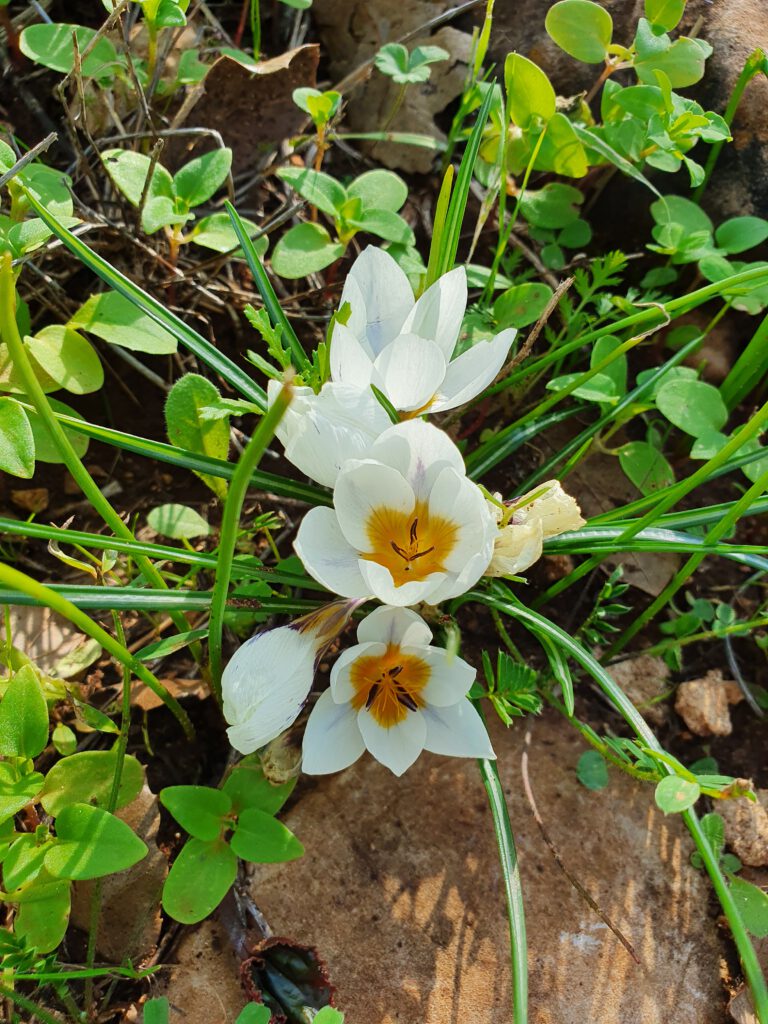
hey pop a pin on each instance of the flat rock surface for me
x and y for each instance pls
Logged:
(401, 892)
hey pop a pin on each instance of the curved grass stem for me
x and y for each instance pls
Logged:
(230, 520)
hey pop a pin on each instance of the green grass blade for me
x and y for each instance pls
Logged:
(186, 335)
(139, 599)
(269, 298)
(509, 439)
(687, 518)
(749, 369)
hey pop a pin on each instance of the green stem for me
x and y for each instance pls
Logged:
(510, 870)
(19, 581)
(720, 529)
(670, 498)
(10, 333)
(36, 1012)
(753, 65)
(637, 723)
(230, 520)
(256, 28)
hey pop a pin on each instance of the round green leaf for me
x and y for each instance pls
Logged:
(379, 190)
(683, 63)
(384, 223)
(199, 879)
(582, 28)
(88, 776)
(305, 249)
(216, 232)
(67, 358)
(741, 233)
(43, 913)
(674, 795)
(521, 305)
(592, 771)
(262, 839)
(752, 904)
(199, 810)
(646, 467)
(51, 45)
(91, 843)
(46, 449)
(678, 210)
(23, 716)
(318, 188)
(529, 91)
(115, 319)
(664, 14)
(17, 445)
(692, 405)
(247, 786)
(197, 180)
(129, 172)
(178, 521)
(23, 861)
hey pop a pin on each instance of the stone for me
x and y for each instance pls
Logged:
(644, 679)
(746, 827)
(703, 704)
(401, 892)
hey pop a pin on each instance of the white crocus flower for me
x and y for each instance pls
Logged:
(406, 524)
(396, 695)
(525, 523)
(321, 431)
(266, 682)
(405, 348)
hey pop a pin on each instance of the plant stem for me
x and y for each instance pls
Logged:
(509, 605)
(511, 871)
(19, 581)
(753, 65)
(10, 334)
(230, 520)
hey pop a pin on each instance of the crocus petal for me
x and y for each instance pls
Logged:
(350, 363)
(398, 746)
(321, 432)
(457, 731)
(454, 585)
(332, 739)
(461, 501)
(450, 676)
(516, 549)
(379, 581)
(394, 626)
(341, 684)
(376, 282)
(327, 555)
(265, 684)
(409, 371)
(472, 372)
(419, 451)
(439, 312)
(362, 490)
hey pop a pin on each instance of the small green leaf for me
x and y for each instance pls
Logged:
(529, 92)
(94, 719)
(678, 210)
(199, 810)
(178, 521)
(664, 14)
(23, 716)
(51, 45)
(386, 224)
(318, 188)
(379, 190)
(199, 879)
(582, 28)
(115, 319)
(713, 827)
(248, 787)
(521, 305)
(188, 428)
(216, 232)
(199, 179)
(592, 771)
(23, 861)
(741, 233)
(256, 1013)
(46, 449)
(646, 467)
(692, 405)
(305, 249)
(43, 914)
(157, 1011)
(91, 843)
(17, 790)
(129, 172)
(752, 904)
(64, 740)
(17, 443)
(87, 778)
(674, 795)
(682, 61)
(67, 358)
(170, 644)
(262, 839)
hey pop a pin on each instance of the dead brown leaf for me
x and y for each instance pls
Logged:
(32, 499)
